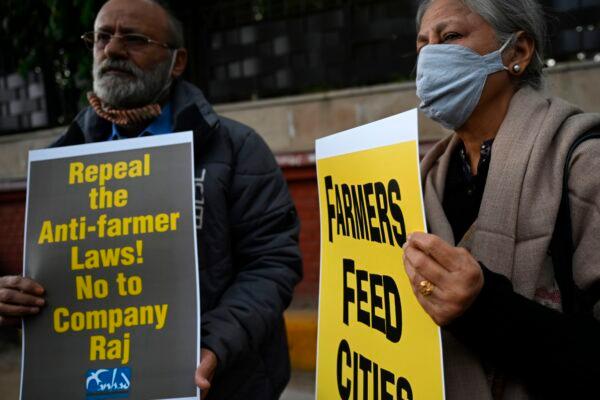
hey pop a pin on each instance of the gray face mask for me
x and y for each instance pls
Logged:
(450, 79)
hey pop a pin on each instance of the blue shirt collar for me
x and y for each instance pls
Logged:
(161, 125)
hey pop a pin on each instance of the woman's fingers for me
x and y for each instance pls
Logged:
(445, 279)
(425, 265)
(417, 281)
(434, 247)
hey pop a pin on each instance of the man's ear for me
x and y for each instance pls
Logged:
(523, 51)
(180, 63)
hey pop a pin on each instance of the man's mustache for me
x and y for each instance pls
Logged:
(119, 65)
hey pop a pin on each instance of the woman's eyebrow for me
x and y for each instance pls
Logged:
(440, 26)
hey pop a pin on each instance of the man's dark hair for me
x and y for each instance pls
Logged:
(175, 26)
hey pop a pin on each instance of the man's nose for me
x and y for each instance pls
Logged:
(115, 48)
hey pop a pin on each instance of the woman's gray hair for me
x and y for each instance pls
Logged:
(506, 18)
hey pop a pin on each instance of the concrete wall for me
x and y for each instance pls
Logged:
(291, 124)
(14, 151)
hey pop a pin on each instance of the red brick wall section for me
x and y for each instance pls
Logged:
(12, 217)
(302, 183)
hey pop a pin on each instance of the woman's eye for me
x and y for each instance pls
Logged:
(451, 36)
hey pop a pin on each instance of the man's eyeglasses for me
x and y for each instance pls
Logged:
(132, 41)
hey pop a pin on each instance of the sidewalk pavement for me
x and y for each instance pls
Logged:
(10, 369)
(301, 386)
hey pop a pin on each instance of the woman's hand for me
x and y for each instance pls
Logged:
(455, 276)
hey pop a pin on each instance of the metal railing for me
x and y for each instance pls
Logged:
(249, 49)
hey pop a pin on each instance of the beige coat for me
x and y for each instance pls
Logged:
(513, 230)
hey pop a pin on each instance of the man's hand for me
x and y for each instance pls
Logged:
(19, 297)
(206, 371)
(455, 276)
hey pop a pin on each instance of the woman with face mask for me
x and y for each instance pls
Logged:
(492, 192)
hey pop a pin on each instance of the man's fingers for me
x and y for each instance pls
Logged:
(19, 297)
(12, 296)
(203, 374)
(435, 247)
(22, 283)
(10, 321)
(10, 310)
(205, 371)
(201, 381)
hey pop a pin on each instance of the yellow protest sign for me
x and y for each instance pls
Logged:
(375, 341)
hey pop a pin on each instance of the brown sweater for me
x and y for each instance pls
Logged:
(512, 233)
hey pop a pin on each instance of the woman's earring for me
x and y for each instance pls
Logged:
(516, 68)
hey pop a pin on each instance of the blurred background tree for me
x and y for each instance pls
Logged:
(242, 49)
(43, 36)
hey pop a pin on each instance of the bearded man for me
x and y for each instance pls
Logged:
(247, 226)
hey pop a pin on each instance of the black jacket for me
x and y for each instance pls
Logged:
(248, 251)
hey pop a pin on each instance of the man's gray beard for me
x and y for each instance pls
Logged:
(124, 92)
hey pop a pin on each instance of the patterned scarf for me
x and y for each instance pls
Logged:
(129, 117)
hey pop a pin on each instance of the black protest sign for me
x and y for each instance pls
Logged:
(110, 235)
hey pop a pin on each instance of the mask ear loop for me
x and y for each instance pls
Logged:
(170, 80)
(508, 42)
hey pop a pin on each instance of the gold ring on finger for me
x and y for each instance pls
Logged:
(425, 287)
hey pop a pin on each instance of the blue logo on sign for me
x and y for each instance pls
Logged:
(111, 383)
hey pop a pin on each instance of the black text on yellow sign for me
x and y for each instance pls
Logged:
(369, 211)
(375, 341)
(377, 305)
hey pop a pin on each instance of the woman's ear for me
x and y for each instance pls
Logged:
(180, 63)
(522, 51)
